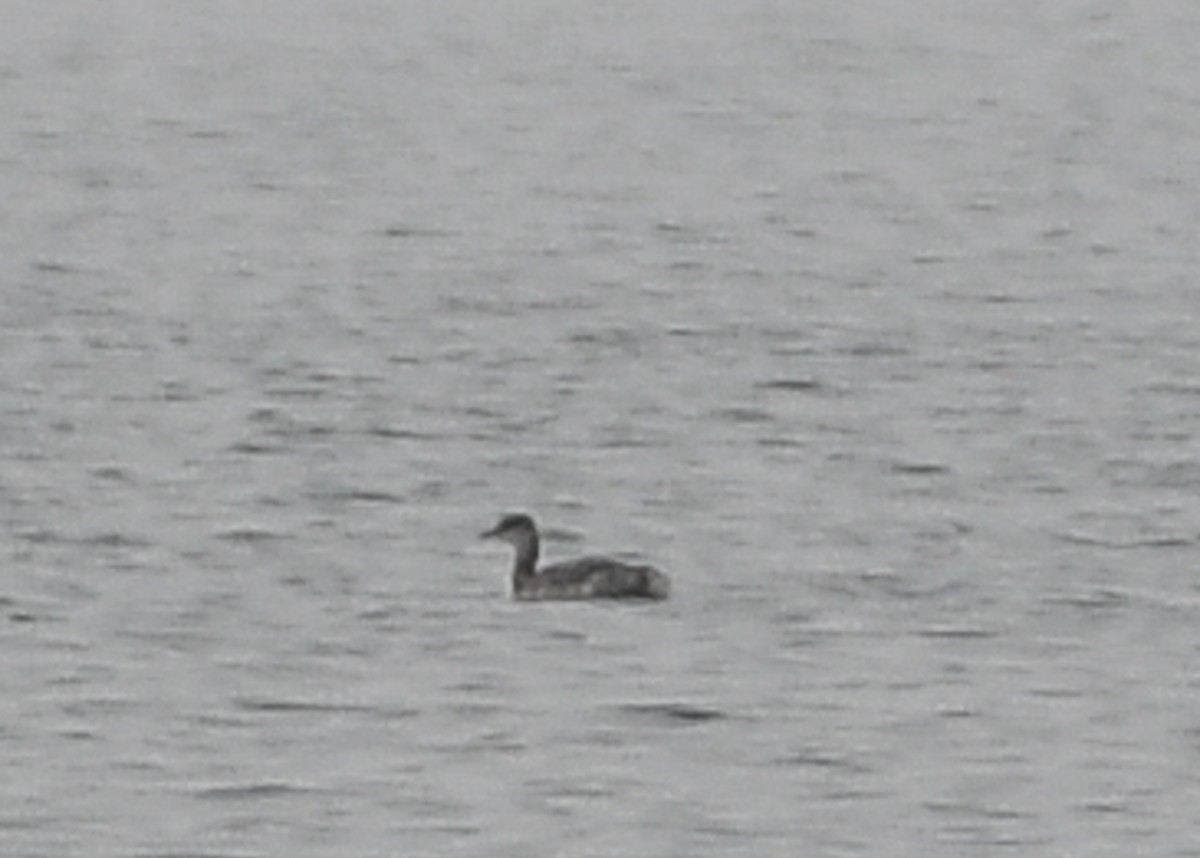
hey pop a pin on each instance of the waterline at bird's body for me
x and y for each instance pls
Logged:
(583, 578)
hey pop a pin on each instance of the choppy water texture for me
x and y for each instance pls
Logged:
(877, 329)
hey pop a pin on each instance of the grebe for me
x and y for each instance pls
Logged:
(583, 578)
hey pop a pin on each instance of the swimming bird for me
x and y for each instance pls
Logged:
(582, 578)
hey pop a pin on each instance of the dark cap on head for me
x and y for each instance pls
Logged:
(512, 521)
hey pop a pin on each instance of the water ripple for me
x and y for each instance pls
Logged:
(674, 712)
(249, 535)
(295, 706)
(242, 792)
(1164, 541)
(790, 385)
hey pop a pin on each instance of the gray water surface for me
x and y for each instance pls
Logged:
(877, 330)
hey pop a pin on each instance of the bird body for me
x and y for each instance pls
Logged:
(581, 578)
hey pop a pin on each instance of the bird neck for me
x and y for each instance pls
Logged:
(525, 563)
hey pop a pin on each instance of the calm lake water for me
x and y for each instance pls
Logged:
(877, 330)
